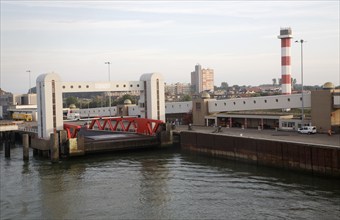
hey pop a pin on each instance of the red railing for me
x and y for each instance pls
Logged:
(72, 130)
(137, 125)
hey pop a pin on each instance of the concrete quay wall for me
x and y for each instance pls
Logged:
(316, 159)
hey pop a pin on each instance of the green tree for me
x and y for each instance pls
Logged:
(274, 81)
(224, 86)
(71, 100)
(96, 102)
(186, 98)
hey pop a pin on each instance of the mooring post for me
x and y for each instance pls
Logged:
(2, 140)
(12, 138)
(25, 146)
(7, 145)
(54, 147)
(35, 152)
(7, 149)
(62, 141)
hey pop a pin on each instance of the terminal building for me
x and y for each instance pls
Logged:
(267, 112)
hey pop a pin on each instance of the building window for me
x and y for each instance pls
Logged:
(158, 103)
(124, 86)
(254, 101)
(288, 99)
(215, 104)
(79, 86)
(71, 87)
(137, 85)
(63, 87)
(117, 86)
(244, 102)
(225, 104)
(234, 103)
(265, 101)
(198, 106)
(54, 105)
(276, 100)
(131, 85)
(87, 86)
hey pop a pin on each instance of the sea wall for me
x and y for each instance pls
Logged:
(316, 159)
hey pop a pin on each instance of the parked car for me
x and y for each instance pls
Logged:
(307, 130)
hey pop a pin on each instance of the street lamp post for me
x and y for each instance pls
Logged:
(302, 109)
(108, 70)
(29, 81)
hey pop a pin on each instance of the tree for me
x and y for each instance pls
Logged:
(274, 81)
(293, 81)
(186, 98)
(96, 102)
(71, 100)
(224, 85)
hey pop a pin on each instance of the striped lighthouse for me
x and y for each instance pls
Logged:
(285, 36)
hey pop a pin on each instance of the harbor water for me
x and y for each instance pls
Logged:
(159, 184)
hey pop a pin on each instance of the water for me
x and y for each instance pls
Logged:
(160, 184)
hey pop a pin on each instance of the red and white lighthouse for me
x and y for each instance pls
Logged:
(285, 36)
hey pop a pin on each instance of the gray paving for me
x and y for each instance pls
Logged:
(290, 136)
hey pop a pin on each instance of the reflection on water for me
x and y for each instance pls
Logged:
(158, 184)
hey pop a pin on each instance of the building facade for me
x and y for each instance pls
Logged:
(326, 109)
(208, 79)
(202, 79)
(178, 89)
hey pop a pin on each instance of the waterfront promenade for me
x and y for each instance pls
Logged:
(287, 136)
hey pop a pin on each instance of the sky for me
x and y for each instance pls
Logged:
(238, 39)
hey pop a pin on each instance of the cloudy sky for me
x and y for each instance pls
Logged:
(238, 39)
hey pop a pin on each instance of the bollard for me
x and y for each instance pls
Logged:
(189, 127)
(25, 146)
(54, 147)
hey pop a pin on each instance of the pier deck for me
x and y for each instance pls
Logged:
(286, 136)
(103, 141)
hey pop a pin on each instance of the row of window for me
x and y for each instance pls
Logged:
(88, 111)
(87, 86)
(265, 101)
(288, 124)
(178, 106)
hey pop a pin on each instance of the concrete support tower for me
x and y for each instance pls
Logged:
(285, 36)
(50, 102)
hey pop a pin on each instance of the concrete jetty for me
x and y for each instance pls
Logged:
(318, 154)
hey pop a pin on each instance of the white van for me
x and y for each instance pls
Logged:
(307, 130)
